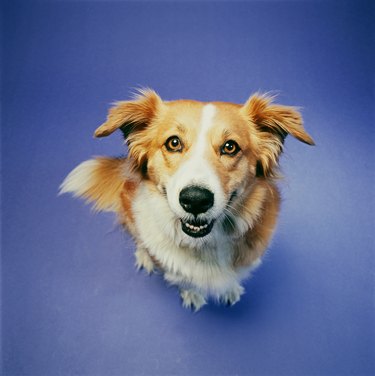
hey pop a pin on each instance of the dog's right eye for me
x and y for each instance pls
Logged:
(173, 144)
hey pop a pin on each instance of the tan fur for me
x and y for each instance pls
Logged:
(271, 124)
(263, 204)
(127, 194)
(135, 116)
(259, 128)
(104, 184)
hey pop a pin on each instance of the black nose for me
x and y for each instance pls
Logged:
(196, 200)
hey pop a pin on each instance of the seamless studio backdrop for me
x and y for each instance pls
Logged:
(72, 301)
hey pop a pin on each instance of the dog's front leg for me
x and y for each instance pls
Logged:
(192, 299)
(144, 260)
(232, 295)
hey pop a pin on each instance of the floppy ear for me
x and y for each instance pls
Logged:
(273, 123)
(132, 118)
(136, 113)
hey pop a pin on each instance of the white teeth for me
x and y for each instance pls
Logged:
(196, 228)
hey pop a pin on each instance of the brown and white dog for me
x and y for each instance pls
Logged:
(197, 190)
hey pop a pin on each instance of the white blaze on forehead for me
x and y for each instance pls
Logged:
(196, 166)
(208, 113)
(196, 169)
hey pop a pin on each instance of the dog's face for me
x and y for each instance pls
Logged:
(203, 156)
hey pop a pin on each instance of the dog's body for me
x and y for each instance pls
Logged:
(197, 191)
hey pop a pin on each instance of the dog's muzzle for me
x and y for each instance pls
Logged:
(196, 200)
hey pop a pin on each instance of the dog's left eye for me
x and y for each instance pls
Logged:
(230, 148)
(173, 144)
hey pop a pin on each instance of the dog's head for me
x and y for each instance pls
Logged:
(202, 156)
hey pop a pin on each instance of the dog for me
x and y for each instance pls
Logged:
(197, 191)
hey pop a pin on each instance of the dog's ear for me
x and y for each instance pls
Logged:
(133, 118)
(131, 115)
(272, 123)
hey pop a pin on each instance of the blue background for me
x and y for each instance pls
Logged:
(72, 302)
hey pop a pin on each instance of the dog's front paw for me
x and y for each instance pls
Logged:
(143, 260)
(192, 299)
(232, 296)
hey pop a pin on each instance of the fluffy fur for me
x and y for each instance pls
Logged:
(197, 190)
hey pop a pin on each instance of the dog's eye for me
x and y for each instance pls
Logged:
(230, 148)
(173, 144)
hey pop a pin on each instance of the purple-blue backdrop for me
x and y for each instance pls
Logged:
(72, 302)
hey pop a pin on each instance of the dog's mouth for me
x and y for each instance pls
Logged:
(196, 228)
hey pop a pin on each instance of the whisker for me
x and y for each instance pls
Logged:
(244, 208)
(229, 218)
